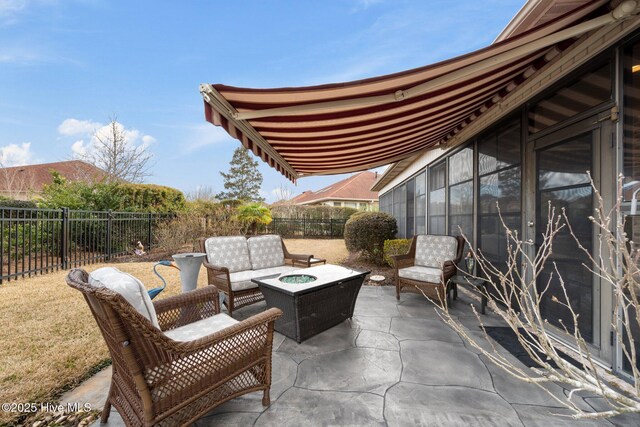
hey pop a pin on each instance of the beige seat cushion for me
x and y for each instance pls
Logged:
(129, 287)
(434, 250)
(228, 251)
(241, 280)
(265, 251)
(421, 274)
(201, 328)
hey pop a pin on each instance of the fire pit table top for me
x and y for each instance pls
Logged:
(326, 275)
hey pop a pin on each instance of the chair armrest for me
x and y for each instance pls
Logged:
(218, 276)
(449, 270)
(241, 336)
(401, 261)
(217, 269)
(180, 310)
(299, 258)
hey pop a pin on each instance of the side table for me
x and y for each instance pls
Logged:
(478, 283)
(189, 265)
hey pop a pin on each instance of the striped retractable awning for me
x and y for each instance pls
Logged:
(348, 127)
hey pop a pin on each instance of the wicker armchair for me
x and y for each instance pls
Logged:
(161, 381)
(232, 274)
(429, 264)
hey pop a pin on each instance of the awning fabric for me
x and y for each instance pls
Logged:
(348, 127)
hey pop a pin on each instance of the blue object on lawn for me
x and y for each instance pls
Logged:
(156, 291)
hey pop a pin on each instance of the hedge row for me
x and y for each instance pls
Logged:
(150, 198)
(311, 212)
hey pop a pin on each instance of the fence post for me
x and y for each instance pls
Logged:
(109, 232)
(149, 232)
(304, 227)
(330, 227)
(64, 239)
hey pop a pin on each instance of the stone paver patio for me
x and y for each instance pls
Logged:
(395, 363)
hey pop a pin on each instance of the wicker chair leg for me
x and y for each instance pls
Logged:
(266, 400)
(104, 416)
(230, 305)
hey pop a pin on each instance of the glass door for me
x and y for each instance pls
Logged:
(563, 183)
(557, 175)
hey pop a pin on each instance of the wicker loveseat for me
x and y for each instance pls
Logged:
(177, 358)
(232, 261)
(429, 264)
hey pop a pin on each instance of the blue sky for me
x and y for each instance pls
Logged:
(67, 66)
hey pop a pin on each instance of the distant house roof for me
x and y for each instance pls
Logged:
(35, 177)
(356, 187)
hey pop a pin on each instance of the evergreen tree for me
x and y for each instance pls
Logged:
(243, 181)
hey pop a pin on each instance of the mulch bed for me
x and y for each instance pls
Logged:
(355, 262)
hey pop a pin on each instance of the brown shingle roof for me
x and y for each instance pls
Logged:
(37, 176)
(356, 187)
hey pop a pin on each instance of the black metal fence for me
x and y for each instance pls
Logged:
(36, 241)
(316, 228)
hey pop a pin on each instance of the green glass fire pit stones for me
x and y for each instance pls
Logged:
(298, 279)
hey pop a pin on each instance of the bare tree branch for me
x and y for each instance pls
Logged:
(119, 158)
(18, 183)
(517, 295)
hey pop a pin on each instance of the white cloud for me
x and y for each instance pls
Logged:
(15, 155)
(91, 132)
(78, 127)
(9, 7)
(79, 149)
(148, 140)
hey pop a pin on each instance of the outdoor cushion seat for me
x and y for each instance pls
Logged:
(194, 361)
(201, 328)
(129, 287)
(429, 264)
(422, 274)
(232, 261)
(241, 280)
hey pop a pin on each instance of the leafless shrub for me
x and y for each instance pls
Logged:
(517, 297)
(187, 228)
(18, 183)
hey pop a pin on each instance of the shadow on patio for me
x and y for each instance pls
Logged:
(395, 363)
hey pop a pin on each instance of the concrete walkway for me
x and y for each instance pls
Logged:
(395, 363)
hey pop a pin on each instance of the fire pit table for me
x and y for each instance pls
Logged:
(313, 299)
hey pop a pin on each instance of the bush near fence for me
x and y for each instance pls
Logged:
(150, 198)
(366, 232)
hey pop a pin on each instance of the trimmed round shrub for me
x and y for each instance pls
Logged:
(365, 233)
(395, 247)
